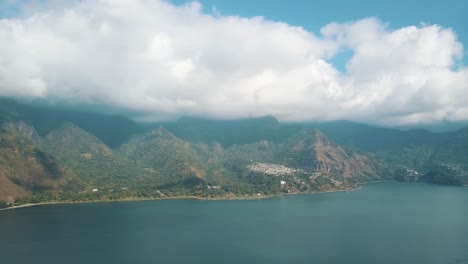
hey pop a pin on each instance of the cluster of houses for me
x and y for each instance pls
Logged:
(272, 169)
(457, 168)
(97, 190)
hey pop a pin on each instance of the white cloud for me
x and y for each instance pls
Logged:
(162, 60)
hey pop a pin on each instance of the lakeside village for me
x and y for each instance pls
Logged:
(278, 170)
(265, 168)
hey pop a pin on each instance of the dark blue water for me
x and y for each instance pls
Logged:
(381, 223)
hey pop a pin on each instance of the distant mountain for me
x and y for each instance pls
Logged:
(231, 132)
(112, 130)
(375, 139)
(52, 155)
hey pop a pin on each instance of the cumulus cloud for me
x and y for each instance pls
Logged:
(163, 61)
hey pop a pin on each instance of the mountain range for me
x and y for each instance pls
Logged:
(50, 155)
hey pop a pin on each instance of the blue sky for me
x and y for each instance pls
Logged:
(314, 14)
(391, 63)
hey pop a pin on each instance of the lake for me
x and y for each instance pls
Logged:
(379, 223)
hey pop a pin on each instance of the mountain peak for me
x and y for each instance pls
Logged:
(310, 140)
(162, 132)
(268, 119)
(320, 139)
(70, 134)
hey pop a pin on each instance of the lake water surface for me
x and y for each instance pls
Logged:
(380, 223)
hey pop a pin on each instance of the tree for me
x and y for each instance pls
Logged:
(3, 204)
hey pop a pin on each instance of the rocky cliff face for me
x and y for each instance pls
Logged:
(24, 168)
(315, 152)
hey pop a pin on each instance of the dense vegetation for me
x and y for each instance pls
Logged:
(3, 205)
(52, 155)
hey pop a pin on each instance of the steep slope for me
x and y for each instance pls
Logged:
(415, 155)
(313, 151)
(25, 169)
(90, 159)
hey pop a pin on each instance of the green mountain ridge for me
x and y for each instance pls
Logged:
(211, 159)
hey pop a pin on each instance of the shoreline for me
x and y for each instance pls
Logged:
(239, 198)
(19, 206)
(134, 199)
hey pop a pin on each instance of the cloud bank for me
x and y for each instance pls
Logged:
(163, 61)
